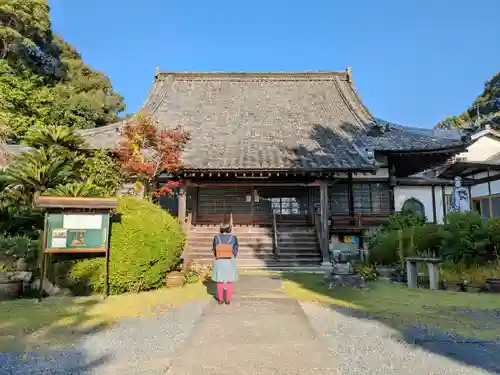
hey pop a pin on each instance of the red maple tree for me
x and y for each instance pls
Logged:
(144, 152)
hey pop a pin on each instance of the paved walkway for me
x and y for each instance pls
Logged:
(261, 332)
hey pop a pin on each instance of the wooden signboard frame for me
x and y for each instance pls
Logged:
(95, 211)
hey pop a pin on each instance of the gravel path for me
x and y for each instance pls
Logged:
(362, 346)
(135, 346)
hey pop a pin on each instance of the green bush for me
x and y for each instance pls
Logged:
(403, 219)
(465, 238)
(404, 234)
(146, 243)
(384, 248)
(427, 239)
(494, 233)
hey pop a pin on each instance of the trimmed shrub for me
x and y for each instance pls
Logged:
(146, 243)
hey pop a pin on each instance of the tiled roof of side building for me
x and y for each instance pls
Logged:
(251, 121)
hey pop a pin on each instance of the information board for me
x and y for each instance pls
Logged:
(76, 231)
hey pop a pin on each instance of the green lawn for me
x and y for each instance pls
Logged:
(60, 321)
(466, 314)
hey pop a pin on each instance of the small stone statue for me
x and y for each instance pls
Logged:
(459, 197)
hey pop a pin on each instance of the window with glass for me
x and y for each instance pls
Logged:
(482, 205)
(414, 205)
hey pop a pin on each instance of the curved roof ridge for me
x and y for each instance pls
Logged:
(308, 75)
(346, 102)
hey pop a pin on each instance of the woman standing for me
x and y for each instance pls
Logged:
(224, 273)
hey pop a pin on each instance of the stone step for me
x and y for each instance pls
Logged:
(257, 240)
(256, 263)
(259, 255)
(245, 249)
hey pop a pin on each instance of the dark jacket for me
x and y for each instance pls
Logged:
(226, 238)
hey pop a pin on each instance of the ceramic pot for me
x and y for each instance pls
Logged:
(493, 285)
(174, 279)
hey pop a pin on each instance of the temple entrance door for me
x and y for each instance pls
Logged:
(290, 204)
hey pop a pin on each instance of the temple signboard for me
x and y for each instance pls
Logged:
(76, 231)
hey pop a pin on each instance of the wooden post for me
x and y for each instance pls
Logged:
(433, 275)
(434, 215)
(392, 182)
(350, 194)
(489, 194)
(325, 252)
(43, 273)
(181, 211)
(106, 274)
(443, 203)
(411, 271)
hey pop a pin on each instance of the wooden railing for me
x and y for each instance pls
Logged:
(276, 248)
(358, 221)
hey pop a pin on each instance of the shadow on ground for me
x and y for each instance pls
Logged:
(41, 337)
(211, 288)
(440, 322)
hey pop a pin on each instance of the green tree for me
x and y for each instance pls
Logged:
(485, 109)
(102, 170)
(43, 79)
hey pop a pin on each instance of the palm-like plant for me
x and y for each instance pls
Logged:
(55, 136)
(40, 170)
(75, 189)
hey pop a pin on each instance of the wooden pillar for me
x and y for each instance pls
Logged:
(181, 211)
(434, 214)
(489, 193)
(443, 203)
(325, 252)
(392, 183)
(350, 194)
(195, 198)
(310, 205)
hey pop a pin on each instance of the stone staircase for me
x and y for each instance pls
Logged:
(298, 246)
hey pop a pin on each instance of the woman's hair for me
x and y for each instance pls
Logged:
(225, 228)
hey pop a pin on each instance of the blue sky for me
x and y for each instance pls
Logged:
(414, 61)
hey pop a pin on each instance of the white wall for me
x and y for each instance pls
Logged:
(381, 172)
(484, 148)
(424, 195)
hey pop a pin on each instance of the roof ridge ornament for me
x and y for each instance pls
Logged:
(349, 74)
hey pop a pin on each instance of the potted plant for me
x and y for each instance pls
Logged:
(368, 272)
(452, 280)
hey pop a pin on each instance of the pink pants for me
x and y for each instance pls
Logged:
(220, 291)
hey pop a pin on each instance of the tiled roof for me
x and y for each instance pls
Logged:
(251, 121)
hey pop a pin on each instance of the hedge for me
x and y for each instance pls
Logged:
(146, 243)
